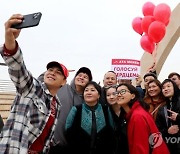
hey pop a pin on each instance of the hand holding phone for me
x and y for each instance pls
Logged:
(29, 20)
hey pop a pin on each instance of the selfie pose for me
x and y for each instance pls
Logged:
(33, 116)
(168, 119)
(141, 128)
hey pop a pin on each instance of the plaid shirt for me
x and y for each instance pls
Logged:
(29, 112)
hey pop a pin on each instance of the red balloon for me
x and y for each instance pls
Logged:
(136, 25)
(147, 44)
(162, 12)
(146, 21)
(148, 9)
(167, 23)
(157, 31)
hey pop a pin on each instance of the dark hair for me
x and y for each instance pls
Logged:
(158, 83)
(172, 74)
(150, 74)
(176, 90)
(137, 97)
(97, 86)
(111, 72)
(108, 87)
(85, 70)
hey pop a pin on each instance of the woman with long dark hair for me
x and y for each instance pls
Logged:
(168, 120)
(154, 97)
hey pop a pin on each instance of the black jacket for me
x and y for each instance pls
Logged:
(163, 124)
(80, 142)
(1, 123)
(120, 133)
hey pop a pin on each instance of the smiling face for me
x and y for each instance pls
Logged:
(124, 96)
(109, 79)
(146, 81)
(168, 90)
(81, 79)
(91, 95)
(111, 95)
(54, 79)
(153, 89)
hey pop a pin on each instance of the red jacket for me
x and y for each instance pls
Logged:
(140, 127)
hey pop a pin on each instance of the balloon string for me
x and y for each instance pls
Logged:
(154, 54)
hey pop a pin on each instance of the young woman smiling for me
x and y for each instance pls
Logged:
(141, 128)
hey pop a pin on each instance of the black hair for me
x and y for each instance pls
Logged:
(111, 72)
(97, 86)
(85, 70)
(172, 74)
(150, 74)
(108, 87)
(148, 98)
(137, 97)
(176, 90)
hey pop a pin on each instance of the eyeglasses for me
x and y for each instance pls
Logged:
(123, 91)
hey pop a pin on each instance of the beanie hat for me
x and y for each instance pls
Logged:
(85, 70)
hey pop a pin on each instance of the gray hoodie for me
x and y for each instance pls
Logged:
(68, 98)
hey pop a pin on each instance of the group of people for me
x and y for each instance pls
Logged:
(49, 115)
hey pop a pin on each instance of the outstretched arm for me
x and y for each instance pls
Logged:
(11, 34)
(12, 56)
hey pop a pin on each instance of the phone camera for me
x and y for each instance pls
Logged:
(35, 16)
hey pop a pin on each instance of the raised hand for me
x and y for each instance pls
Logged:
(11, 33)
(173, 115)
(173, 129)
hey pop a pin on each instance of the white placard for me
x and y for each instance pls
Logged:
(126, 68)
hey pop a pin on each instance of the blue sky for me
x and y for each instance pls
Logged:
(81, 33)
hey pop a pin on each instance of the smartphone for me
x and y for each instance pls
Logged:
(29, 20)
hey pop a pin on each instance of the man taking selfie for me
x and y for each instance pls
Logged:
(34, 112)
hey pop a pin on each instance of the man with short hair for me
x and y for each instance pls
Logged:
(174, 76)
(110, 79)
(33, 117)
(149, 77)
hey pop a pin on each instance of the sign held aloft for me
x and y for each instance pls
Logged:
(126, 68)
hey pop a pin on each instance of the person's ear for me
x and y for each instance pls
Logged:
(64, 82)
(132, 96)
(99, 97)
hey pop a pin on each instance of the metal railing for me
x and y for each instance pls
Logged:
(7, 86)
